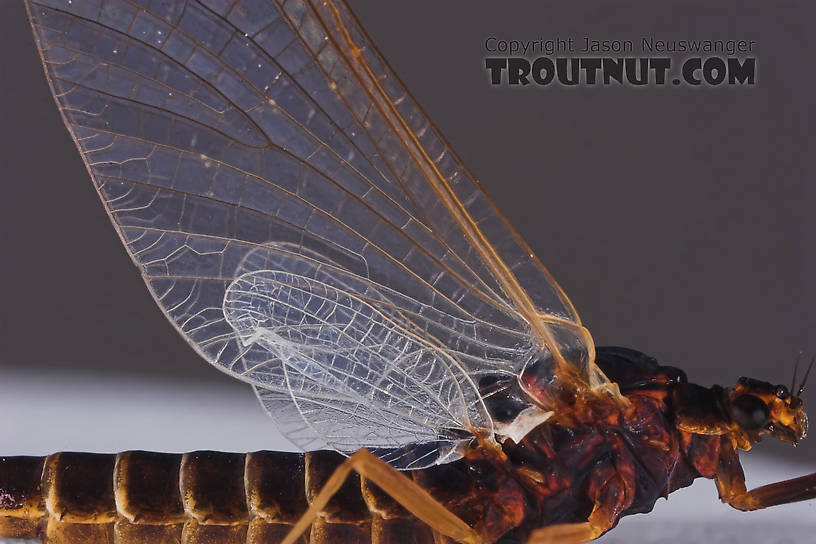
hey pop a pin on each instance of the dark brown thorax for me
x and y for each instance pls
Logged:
(625, 459)
(596, 461)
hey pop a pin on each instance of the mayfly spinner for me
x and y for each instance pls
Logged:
(306, 228)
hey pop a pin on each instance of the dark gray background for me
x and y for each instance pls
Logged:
(678, 220)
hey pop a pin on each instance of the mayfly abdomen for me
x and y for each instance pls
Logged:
(195, 498)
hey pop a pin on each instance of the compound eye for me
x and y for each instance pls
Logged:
(782, 392)
(749, 412)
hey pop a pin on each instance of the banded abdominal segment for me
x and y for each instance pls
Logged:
(196, 498)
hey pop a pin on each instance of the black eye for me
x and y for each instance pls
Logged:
(749, 412)
(782, 392)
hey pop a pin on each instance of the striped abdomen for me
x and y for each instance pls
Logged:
(194, 498)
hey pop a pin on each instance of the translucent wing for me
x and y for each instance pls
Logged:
(300, 220)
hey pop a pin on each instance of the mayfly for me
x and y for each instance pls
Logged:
(306, 228)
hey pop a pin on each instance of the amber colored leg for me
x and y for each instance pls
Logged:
(730, 480)
(608, 506)
(565, 533)
(575, 533)
(794, 490)
(399, 487)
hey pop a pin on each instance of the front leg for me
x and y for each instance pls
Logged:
(730, 481)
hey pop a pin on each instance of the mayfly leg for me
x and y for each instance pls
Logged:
(730, 481)
(399, 487)
(784, 492)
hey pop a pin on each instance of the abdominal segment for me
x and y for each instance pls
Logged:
(193, 498)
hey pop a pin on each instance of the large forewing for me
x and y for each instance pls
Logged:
(233, 140)
(427, 168)
(446, 196)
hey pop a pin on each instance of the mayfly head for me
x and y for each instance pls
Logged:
(758, 408)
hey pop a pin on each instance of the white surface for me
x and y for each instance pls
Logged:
(44, 413)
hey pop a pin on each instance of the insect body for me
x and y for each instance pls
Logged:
(305, 227)
(606, 466)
